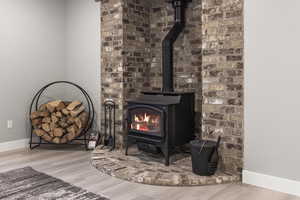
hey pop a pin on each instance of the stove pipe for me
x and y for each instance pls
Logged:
(167, 44)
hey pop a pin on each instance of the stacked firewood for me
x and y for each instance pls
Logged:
(58, 121)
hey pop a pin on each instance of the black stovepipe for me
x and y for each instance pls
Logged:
(167, 44)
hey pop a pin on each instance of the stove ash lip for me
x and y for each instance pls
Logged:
(167, 44)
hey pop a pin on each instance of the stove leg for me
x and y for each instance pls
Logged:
(167, 162)
(167, 158)
(167, 155)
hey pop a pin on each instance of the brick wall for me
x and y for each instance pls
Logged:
(112, 70)
(208, 59)
(222, 75)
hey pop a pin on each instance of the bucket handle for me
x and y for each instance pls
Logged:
(215, 150)
(218, 142)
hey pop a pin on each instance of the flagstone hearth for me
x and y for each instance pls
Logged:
(141, 167)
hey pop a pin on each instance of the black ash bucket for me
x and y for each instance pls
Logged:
(205, 156)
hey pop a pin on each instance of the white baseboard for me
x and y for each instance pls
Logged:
(15, 144)
(272, 182)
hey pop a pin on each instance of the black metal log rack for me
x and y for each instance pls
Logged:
(82, 139)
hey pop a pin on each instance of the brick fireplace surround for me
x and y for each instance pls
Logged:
(208, 60)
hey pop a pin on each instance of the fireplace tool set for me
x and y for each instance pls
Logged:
(109, 134)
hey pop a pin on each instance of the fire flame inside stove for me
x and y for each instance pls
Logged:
(145, 122)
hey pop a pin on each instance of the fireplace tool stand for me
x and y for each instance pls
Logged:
(109, 124)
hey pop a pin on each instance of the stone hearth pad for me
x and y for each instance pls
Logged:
(141, 167)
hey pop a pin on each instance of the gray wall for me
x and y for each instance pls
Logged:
(31, 54)
(272, 95)
(37, 46)
(83, 46)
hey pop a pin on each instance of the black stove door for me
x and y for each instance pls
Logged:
(145, 120)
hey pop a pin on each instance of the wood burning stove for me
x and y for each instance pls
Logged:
(163, 120)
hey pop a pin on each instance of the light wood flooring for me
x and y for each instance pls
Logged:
(74, 167)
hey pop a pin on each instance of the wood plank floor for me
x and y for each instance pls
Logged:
(74, 167)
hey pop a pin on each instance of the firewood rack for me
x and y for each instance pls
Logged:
(83, 138)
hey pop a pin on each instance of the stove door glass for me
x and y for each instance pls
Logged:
(146, 120)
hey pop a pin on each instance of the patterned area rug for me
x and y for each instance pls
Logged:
(26, 183)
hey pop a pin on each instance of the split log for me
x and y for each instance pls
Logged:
(34, 115)
(71, 120)
(72, 129)
(58, 114)
(65, 111)
(54, 119)
(64, 140)
(46, 120)
(47, 137)
(50, 108)
(63, 124)
(43, 107)
(61, 106)
(46, 127)
(84, 118)
(64, 119)
(78, 122)
(44, 114)
(73, 105)
(56, 140)
(39, 132)
(73, 132)
(58, 132)
(36, 123)
(37, 114)
(55, 105)
(53, 126)
(51, 133)
(75, 113)
(71, 136)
